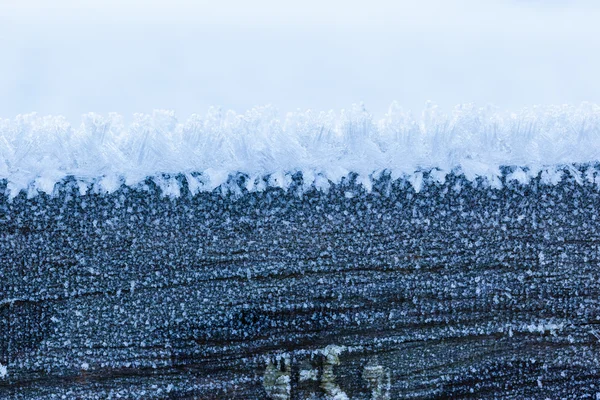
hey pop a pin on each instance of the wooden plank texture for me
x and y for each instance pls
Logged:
(459, 291)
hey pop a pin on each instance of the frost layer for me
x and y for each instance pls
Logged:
(103, 153)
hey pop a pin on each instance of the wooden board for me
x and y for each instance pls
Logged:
(454, 292)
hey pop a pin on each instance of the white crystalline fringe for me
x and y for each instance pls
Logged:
(102, 152)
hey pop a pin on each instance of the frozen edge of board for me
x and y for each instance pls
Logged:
(212, 151)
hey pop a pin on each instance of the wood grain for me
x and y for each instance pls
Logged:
(459, 291)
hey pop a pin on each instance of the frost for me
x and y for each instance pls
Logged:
(276, 380)
(518, 175)
(102, 153)
(417, 181)
(543, 328)
(3, 371)
(378, 379)
(308, 375)
(328, 384)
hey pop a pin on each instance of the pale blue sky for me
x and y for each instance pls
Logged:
(71, 57)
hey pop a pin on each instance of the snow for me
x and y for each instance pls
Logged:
(3, 371)
(102, 152)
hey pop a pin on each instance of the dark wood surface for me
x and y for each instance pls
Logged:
(459, 291)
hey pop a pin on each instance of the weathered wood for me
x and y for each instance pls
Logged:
(446, 293)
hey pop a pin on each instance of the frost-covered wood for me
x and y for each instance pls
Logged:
(458, 291)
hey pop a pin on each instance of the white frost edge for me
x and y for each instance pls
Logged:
(102, 153)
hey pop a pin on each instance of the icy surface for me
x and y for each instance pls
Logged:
(457, 291)
(103, 152)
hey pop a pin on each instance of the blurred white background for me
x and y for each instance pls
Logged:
(70, 57)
